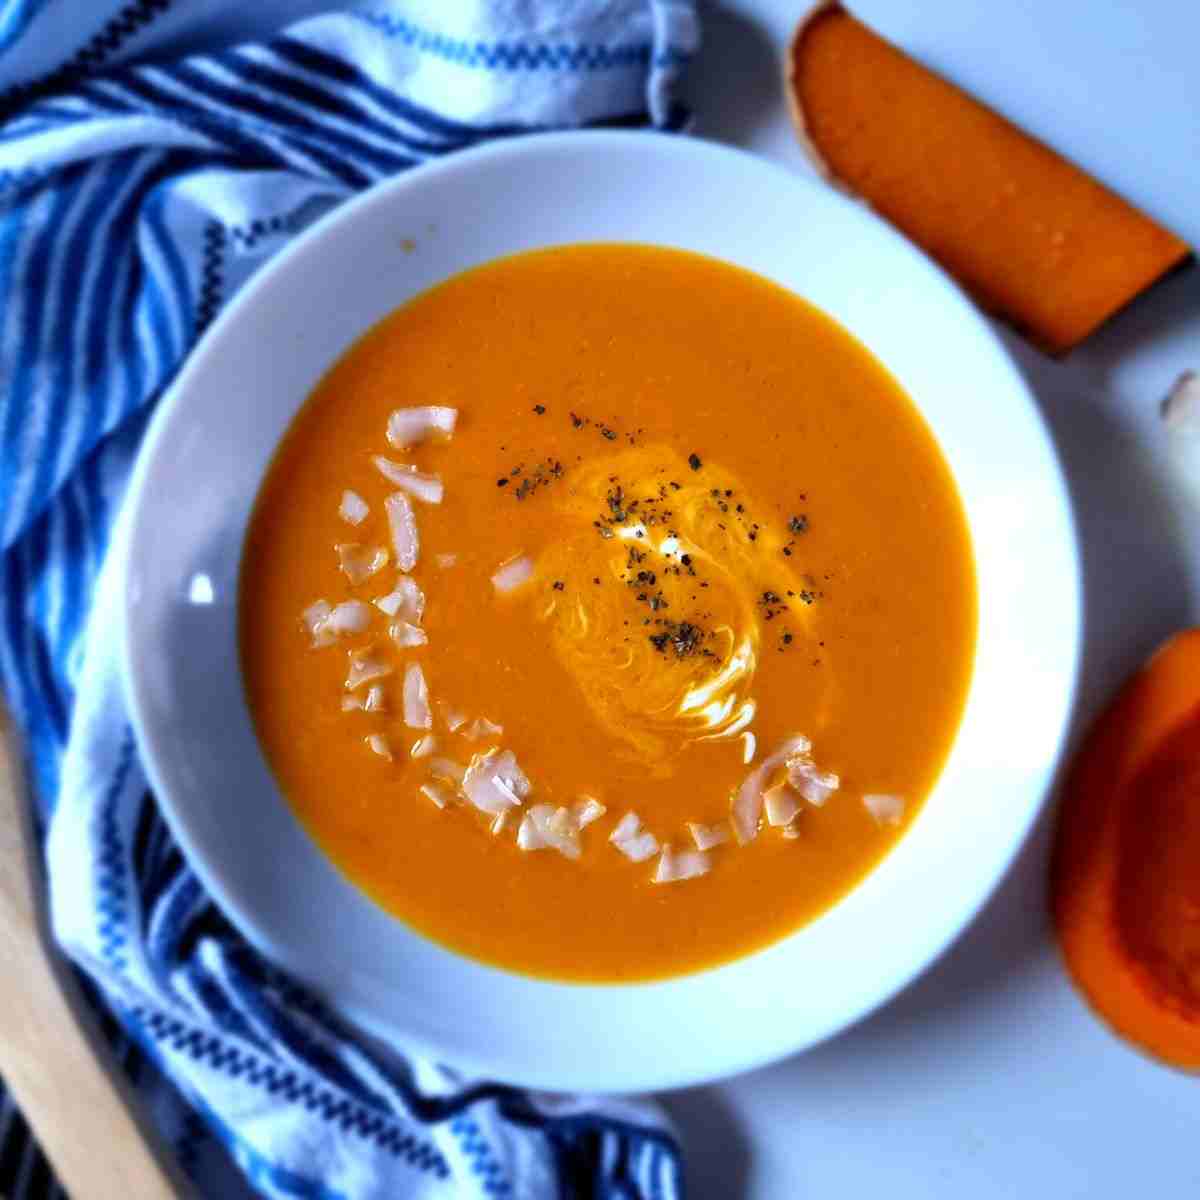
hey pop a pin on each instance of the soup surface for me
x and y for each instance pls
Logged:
(698, 559)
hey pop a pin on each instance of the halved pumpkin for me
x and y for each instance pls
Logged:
(1126, 872)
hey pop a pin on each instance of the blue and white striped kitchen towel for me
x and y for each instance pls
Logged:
(152, 155)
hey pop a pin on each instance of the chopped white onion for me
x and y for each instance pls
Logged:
(707, 836)
(815, 785)
(587, 810)
(780, 804)
(416, 698)
(431, 791)
(748, 799)
(366, 665)
(405, 601)
(427, 488)
(409, 426)
(631, 841)
(626, 828)
(749, 747)
(498, 823)
(423, 747)
(327, 624)
(375, 700)
(313, 619)
(494, 782)
(402, 522)
(448, 769)
(351, 616)
(480, 728)
(675, 865)
(418, 484)
(791, 831)
(885, 808)
(406, 635)
(350, 703)
(353, 508)
(545, 827)
(445, 560)
(513, 573)
(359, 563)
(527, 833)
(640, 848)
(379, 744)
(455, 720)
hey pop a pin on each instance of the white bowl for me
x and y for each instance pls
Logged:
(211, 440)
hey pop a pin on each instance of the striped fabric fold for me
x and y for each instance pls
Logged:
(150, 162)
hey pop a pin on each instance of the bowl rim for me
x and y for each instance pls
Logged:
(651, 1075)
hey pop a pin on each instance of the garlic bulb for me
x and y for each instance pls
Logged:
(1181, 419)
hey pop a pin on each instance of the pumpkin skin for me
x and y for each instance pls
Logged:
(1033, 238)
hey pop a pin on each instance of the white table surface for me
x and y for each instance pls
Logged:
(988, 1078)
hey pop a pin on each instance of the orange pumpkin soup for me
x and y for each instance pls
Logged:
(607, 612)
